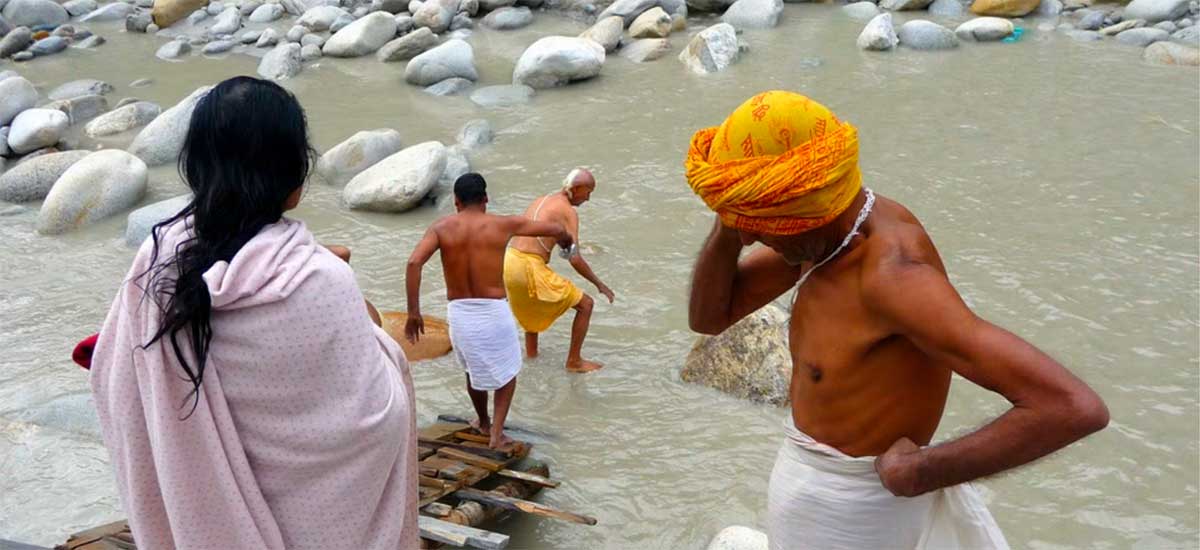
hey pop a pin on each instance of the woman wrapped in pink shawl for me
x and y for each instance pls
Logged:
(245, 396)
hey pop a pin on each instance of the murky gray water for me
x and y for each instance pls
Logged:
(1060, 181)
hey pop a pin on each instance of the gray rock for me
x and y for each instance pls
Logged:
(399, 182)
(750, 360)
(90, 42)
(904, 5)
(1185, 22)
(4, 152)
(296, 34)
(123, 119)
(310, 53)
(247, 8)
(505, 19)
(1168, 26)
(281, 63)
(293, 7)
(1154, 11)
(492, 5)
(250, 37)
(457, 164)
(714, 6)
(436, 14)
(49, 46)
(414, 6)
(173, 50)
(468, 7)
(267, 13)
(31, 13)
(455, 58)
(606, 32)
(475, 134)
(460, 34)
(461, 22)
(393, 6)
(32, 179)
(502, 96)
(926, 35)
(947, 8)
(15, 41)
(228, 22)
(866, 11)
(196, 17)
(22, 56)
(558, 60)
(1084, 36)
(218, 47)
(405, 24)
(267, 39)
(215, 8)
(754, 14)
(34, 129)
(5, 75)
(1170, 53)
(711, 50)
(80, 109)
(1142, 37)
(1189, 36)
(5, 26)
(879, 34)
(115, 11)
(101, 185)
(162, 140)
(627, 10)
(312, 40)
(1049, 8)
(363, 150)
(362, 37)
(138, 22)
(984, 29)
(341, 22)
(408, 46)
(16, 95)
(450, 86)
(76, 8)
(646, 50)
(319, 18)
(141, 222)
(76, 88)
(1091, 21)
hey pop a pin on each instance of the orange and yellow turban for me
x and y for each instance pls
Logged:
(781, 164)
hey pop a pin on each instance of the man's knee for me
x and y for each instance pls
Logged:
(585, 304)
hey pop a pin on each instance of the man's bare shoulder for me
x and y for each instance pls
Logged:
(898, 248)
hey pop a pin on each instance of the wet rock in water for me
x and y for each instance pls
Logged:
(1121, 27)
(76, 88)
(1142, 37)
(879, 34)
(218, 47)
(34, 129)
(341, 22)
(1092, 21)
(141, 222)
(460, 34)
(947, 8)
(454, 58)
(627, 10)
(865, 11)
(653, 23)
(162, 140)
(267, 13)
(267, 39)
(215, 8)
(737, 537)
(405, 24)
(90, 42)
(1003, 8)
(1189, 36)
(76, 8)
(1168, 26)
(461, 22)
(32, 179)
(249, 37)
(281, 63)
(16, 95)
(712, 49)
(1170, 53)
(228, 22)
(138, 22)
(196, 17)
(457, 164)
(493, 5)
(436, 15)
(48, 46)
(319, 18)
(505, 19)
(393, 6)
(1049, 8)
(80, 109)
(247, 7)
(310, 53)
(101, 185)
(15, 41)
(296, 34)
(173, 50)
(904, 5)
(503, 96)
(984, 29)
(312, 40)
(141, 83)
(714, 6)
(12, 209)
(476, 134)
(1084, 36)
(5, 26)
(754, 14)
(469, 8)
(450, 86)
(349, 158)
(123, 119)
(399, 182)
(646, 50)
(31, 13)
(115, 11)
(408, 46)
(1154, 11)
(750, 360)
(22, 56)
(926, 35)
(558, 60)
(606, 32)
(434, 342)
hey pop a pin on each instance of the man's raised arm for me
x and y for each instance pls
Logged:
(415, 326)
(525, 227)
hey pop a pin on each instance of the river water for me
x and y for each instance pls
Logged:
(1060, 181)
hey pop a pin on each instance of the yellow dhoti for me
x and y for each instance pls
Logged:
(536, 293)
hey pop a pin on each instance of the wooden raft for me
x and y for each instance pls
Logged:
(463, 484)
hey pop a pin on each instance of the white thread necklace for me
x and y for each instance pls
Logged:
(862, 217)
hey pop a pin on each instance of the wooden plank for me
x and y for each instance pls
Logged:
(457, 471)
(460, 535)
(427, 470)
(441, 430)
(427, 481)
(522, 506)
(466, 446)
(525, 476)
(466, 435)
(424, 452)
(472, 459)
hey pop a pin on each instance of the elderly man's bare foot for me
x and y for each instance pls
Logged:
(581, 365)
(499, 440)
(480, 427)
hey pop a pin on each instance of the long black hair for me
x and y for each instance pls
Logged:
(246, 152)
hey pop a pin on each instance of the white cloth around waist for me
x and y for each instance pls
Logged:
(486, 342)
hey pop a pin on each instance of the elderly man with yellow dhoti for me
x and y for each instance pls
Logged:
(876, 332)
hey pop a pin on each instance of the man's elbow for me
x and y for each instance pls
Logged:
(1089, 414)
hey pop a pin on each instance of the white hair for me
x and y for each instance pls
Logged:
(568, 185)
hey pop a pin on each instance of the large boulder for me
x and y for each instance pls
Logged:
(879, 34)
(399, 182)
(349, 158)
(141, 222)
(750, 360)
(926, 35)
(502, 96)
(1003, 8)
(32, 179)
(281, 63)
(646, 50)
(863, 11)
(1142, 37)
(754, 14)
(320, 18)
(436, 15)
(76, 88)
(510, 18)
(558, 60)
(711, 50)
(984, 29)
(32, 13)
(606, 32)
(1170, 53)
(16, 94)
(102, 184)
(408, 46)
(454, 58)
(627, 10)
(161, 141)
(362, 37)
(15, 41)
(123, 119)
(116, 11)
(714, 6)
(34, 129)
(1154, 11)
(434, 342)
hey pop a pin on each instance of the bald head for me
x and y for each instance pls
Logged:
(577, 178)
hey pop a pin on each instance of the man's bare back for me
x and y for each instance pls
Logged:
(551, 208)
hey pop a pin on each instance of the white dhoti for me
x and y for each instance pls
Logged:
(824, 499)
(485, 340)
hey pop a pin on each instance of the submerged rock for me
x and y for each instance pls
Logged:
(173, 50)
(1170, 53)
(48, 46)
(162, 140)
(450, 86)
(879, 34)
(711, 50)
(281, 63)
(101, 185)
(123, 119)
(925, 35)
(503, 96)
(31, 180)
(646, 50)
(453, 59)
(399, 182)
(1084, 36)
(750, 360)
(141, 222)
(80, 109)
(475, 134)
(349, 158)
(115, 11)
(558, 60)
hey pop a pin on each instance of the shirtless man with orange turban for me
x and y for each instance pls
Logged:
(876, 331)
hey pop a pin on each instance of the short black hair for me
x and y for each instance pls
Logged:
(470, 188)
